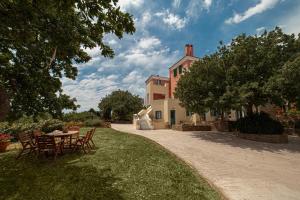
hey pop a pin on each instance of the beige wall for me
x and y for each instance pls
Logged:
(158, 105)
(151, 88)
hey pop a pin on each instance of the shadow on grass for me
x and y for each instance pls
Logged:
(69, 177)
(232, 140)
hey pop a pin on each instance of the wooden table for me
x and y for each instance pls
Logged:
(65, 136)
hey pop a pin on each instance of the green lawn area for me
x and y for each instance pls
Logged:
(123, 166)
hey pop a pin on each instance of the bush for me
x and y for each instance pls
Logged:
(259, 123)
(94, 122)
(79, 117)
(50, 125)
(29, 126)
(69, 124)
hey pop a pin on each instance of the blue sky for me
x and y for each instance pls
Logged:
(162, 29)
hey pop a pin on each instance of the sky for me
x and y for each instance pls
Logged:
(162, 30)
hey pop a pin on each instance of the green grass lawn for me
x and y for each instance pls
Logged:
(123, 166)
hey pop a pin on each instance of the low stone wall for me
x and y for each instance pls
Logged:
(187, 127)
(264, 138)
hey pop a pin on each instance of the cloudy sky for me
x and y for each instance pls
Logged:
(162, 29)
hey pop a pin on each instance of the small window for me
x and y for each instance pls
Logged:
(157, 114)
(158, 82)
(180, 69)
(175, 72)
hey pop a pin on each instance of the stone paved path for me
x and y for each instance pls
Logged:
(241, 169)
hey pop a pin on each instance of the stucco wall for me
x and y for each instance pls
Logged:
(152, 88)
(173, 80)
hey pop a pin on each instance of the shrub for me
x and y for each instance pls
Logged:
(79, 117)
(50, 125)
(94, 122)
(259, 123)
(29, 126)
(69, 124)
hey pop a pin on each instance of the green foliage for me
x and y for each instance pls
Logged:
(41, 41)
(94, 123)
(79, 117)
(50, 125)
(122, 105)
(259, 123)
(28, 125)
(251, 71)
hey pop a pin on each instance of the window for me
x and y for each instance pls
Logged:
(180, 69)
(157, 114)
(175, 72)
(158, 82)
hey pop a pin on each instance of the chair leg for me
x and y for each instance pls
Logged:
(82, 146)
(20, 153)
(89, 145)
(93, 143)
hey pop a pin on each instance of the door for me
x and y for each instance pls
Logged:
(173, 117)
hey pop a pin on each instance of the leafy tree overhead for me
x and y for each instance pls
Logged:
(120, 105)
(40, 41)
(250, 72)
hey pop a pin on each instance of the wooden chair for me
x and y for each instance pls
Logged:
(69, 142)
(28, 146)
(83, 142)
(47, 143)
(90, 141)
(74, 128)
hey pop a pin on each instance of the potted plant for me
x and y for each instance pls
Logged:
(4, 141)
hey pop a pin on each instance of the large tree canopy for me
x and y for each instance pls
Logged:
(251, 71)
(40, 41)
(120, 105)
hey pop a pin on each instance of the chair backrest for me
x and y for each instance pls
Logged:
(87, 136)
(74, 128)
(93, 132)
(45, 142)
(37, 133)
(25, 139)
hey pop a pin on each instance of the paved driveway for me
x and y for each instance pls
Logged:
(241, 169)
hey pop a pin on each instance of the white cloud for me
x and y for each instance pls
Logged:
(172, 20)
(128, 70)
(262, 6)
(149, 42)
(176, 3)
(146, 18)
(207, 3)
(260, 30)
(195, 7)
(126, 4)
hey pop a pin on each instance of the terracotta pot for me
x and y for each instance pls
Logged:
(3, 145)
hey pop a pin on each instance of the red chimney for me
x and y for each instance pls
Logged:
(189, 50)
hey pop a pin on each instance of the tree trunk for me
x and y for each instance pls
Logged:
(249, 109)
(4, 104)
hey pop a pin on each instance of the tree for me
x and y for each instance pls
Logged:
(255, 62)
(250, 72)
(121, 104)
(40, 41)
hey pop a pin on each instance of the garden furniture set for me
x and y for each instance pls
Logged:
(56, 142)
